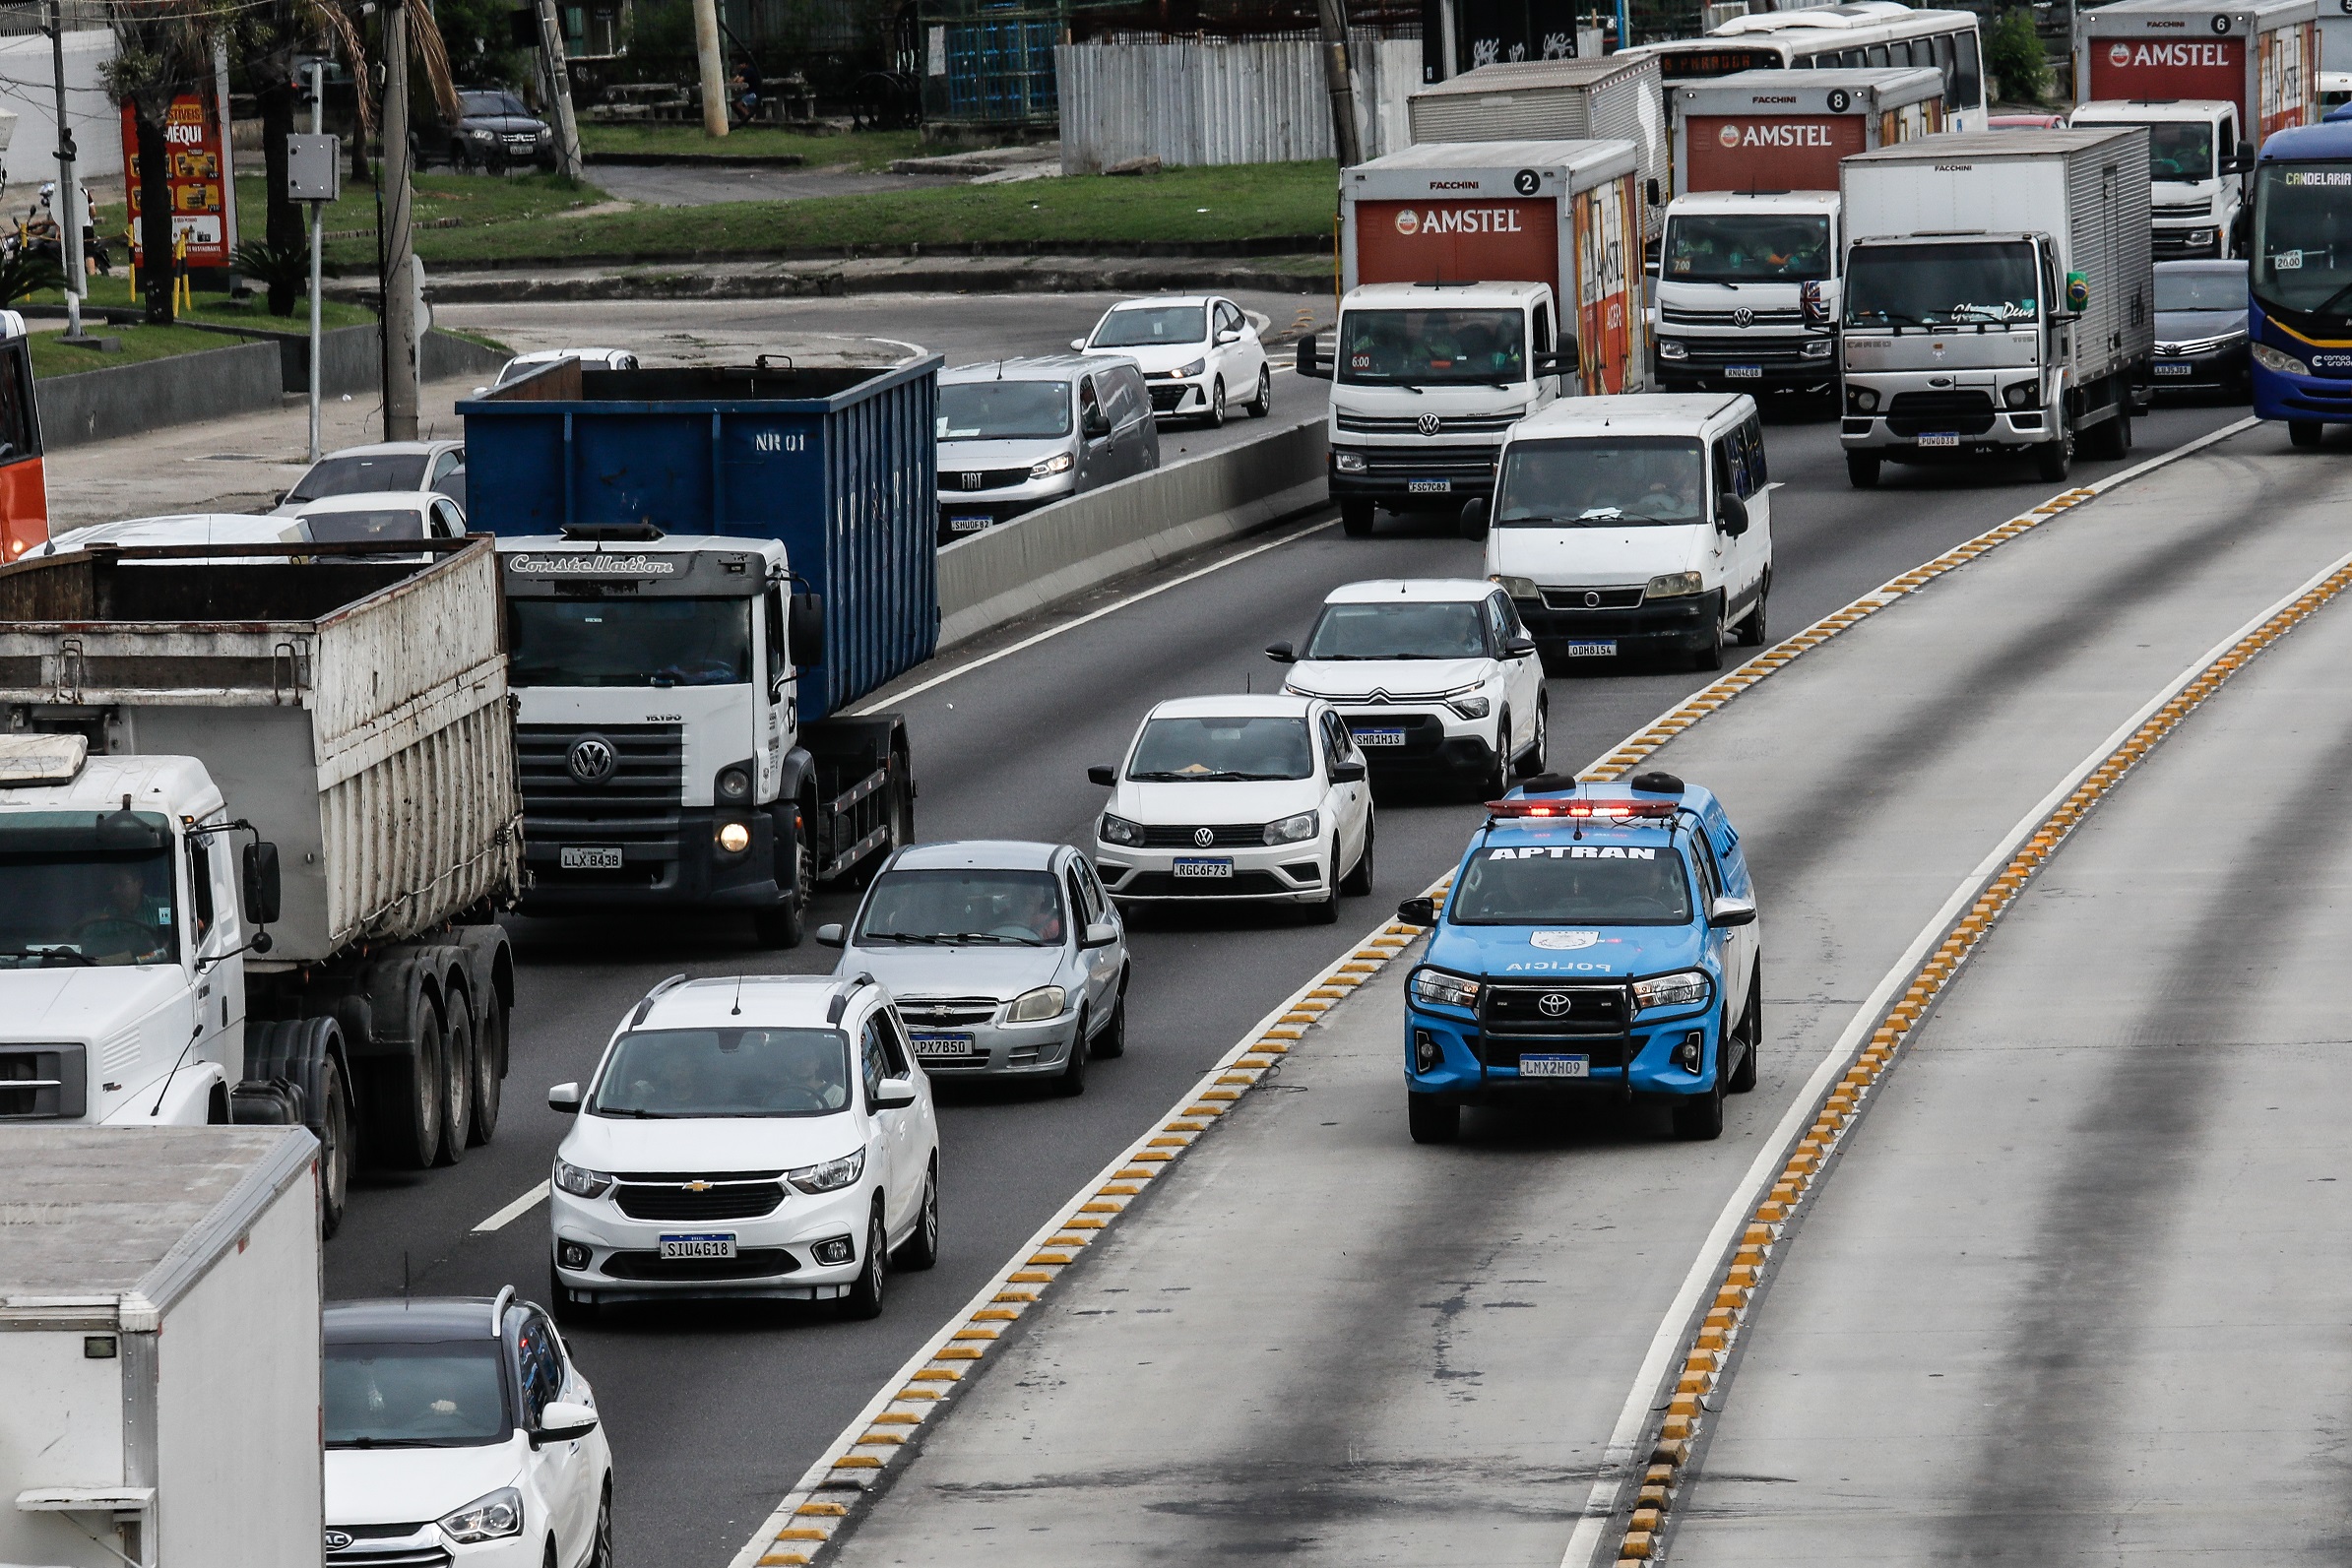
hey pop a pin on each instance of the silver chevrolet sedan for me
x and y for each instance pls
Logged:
(1006, 958)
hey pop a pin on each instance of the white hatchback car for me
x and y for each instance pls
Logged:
(370, 518)
(1199, 353)
(459, 1432)
(435, 465)
(1436, 678)
(1233, 798)
(759, 1135)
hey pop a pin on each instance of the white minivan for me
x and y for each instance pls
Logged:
(1635, 525)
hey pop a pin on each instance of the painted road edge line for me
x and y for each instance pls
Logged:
(514, 1211)
(1839, 1087)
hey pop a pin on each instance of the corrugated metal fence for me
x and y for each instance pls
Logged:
(1243, 101)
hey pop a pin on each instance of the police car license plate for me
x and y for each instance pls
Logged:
(1204, 869)
(588, 857)
(1428, 487)
(705, 1244)
(1742, 372)
(929, 1047)
(2163, 370)
(967, 524)
(1940, 438)
(1378, 737)
(1599, 649)
(1553, 1065)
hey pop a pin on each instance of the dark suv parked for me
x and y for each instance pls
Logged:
(497, 132)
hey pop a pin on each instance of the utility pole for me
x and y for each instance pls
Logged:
(68, 205)
(402, 395)
(559, 89)
(1331, 17)
(714, 68)
(318, 211)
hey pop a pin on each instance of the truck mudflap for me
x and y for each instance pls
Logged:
(864, 792)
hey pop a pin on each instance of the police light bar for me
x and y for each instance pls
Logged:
(1619, 809)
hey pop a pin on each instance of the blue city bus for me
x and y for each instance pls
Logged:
(2299, 317)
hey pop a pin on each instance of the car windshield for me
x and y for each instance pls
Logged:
(2302, 237)
(1747, 247)
(658, 1073)
(1602, 481)
(1219, 750)
(447, 1394)
(1003, 411)
(360, 527)
(481, 104)
(1893, 286)
(947, 907)
(641, 642)
(354, 475)
(1573, 884)
(1432, 347)
(2204, 287)
(83, 888)
(1400, 629)
(1148, 326)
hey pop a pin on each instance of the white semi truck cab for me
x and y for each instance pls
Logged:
(2198, 162)
(1747, 291)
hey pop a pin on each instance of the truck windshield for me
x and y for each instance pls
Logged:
(1943, 285)
(658, 1073)
(1398, 630)
(1221, 750)
(1552, 884)
(1004, 410)
(446, 1393)
(1602, 481)
(2302, 237)
(354, 475)
(1747, 247)
(1432, 347)
(1145, 326)
(644, 642)
(945, 907)
(85, 888)
(2178, 153)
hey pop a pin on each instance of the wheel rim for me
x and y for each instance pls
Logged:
(335, 1125)
(604, 1530)
(930, 1212)
(874, 1243)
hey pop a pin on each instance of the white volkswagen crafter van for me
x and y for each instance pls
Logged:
(1635, 525)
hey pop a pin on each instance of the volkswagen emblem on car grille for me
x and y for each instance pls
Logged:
(1742, 317)
(972, 481)
(592, 761)
(1553, 1004)
(1204, 837)
(338, 1540)
(1592, 600)
(1428, 424)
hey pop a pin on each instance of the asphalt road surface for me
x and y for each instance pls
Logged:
(713, 1412)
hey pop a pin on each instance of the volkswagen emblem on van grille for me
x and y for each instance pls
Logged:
(1428, 424)
(1592, 600)
(1742, 317)
(592, 760)
(1555, 1004)
(1204, 837)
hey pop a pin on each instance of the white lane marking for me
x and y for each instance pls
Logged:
(1601, 1508)
(1113, 609)
(515, 1209)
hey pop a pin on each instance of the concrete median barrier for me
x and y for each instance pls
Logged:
(1018, 568)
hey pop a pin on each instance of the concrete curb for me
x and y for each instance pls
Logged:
(1019, 568)
(1050, 274)
(694, 160)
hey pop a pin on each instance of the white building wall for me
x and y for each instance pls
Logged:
(1210, 102)
(27, 86)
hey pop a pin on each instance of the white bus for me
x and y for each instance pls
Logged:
(1864, 32)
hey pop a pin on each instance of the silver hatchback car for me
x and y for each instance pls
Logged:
(1006, 958)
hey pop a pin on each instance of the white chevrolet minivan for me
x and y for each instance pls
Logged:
(1635, 525)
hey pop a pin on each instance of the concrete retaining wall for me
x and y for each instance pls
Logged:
(1020, 567)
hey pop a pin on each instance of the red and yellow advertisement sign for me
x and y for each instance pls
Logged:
(196, 183)
(1609, 331)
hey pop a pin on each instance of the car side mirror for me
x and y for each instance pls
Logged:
(560, 1421)
(1418, 911)
(1518, 648)
(565, 1098)
(830, 935)
(1731, 515)
(1727, 912)
(1078, 344)
(481, 391)
(1228, 336)
(1347, 772)
(896, 1093)
(260, 886)
(1282, 653)
(1311, 359)
(1102, 775)
(1100, 933)
(804, 630)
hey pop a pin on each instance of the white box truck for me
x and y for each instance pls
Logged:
(1749, 274)
(2210, 80)
(1482, 280)
(1999, 298)
(255, 820)
(1606, 98)
(160, 1346)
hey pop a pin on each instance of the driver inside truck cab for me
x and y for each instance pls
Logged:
(121, 928)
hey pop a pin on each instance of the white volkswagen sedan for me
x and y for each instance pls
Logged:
(758, 1135)
(459, 1432)
(1231, 798)
(1199, 355)
(1436, 678)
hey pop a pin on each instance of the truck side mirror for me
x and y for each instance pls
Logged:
(1649, 189)
(260, 891)
(1731, 515)
(2241, 161)
(1282, 654)
(1418, 911)
(564, 1100)
(804, 633)
(1101, 774)
(1311, 359)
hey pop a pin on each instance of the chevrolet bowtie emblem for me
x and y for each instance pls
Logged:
(698, 1186)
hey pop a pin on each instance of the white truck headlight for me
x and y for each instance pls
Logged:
(1441, 990)
(830, 1176)
(1680, 989)
(1818, 348)
(488, 1518)
(1668, 348)
(1517, 587)
(1034, 1007)
(2278, 364)
(582, 1183)
(1291, 830)
(1674, 585)
(1349, 462)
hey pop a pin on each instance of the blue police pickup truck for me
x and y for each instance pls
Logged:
(1598, 940)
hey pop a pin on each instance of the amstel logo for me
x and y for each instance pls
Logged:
(1728, 136)
(1408, 222)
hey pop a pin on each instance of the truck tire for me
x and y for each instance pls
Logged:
(308, 1054)
(490, 1066)
(1430, 1120)
(786, 926)
(1356, 519)
(406, 1130)
(2054, 460)
(461, 1064)
(1862, 470)
(1751, 1035)
(335, 1145)
(2111, 438)
(1698, 1119)
(2303, 432)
